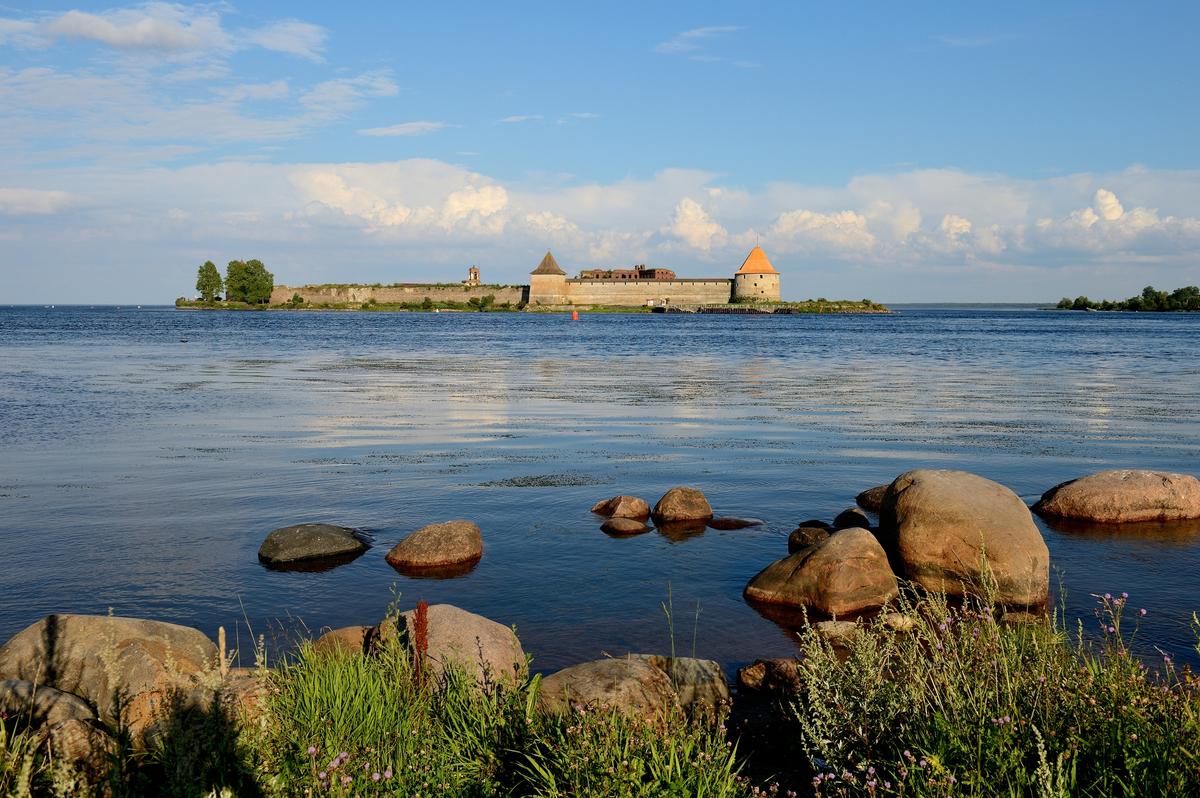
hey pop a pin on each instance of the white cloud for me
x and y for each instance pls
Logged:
(808, 231)
(154, 26)
(1108, 205)
(695, 227)
(406, 129)
(510, 120)
(291, 36)
(691, 40)
(34, 202)
(954, 226)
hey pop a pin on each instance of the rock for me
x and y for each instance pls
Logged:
(83, 747)
(103, 658)
(437, 546)
(817, 523)
(623, 526)
(41, 704)
(1120, 497)
(805, 536)
(772, 675)
(682, 504)
(839, 633)
(353, 639)
(623, 507)
(847, 572)
(871, 499)
(734, 523)
(310, 542)
(899, 622)
(482, 648)
(697, 682)
(244, 694)
(940, 525)
(633, 687)
(852, 518)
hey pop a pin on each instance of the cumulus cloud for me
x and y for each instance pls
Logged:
(406, 129)
(808, 231)
(695, 227)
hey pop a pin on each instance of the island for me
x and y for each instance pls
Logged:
(1150, 300)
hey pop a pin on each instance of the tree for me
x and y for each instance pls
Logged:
(248, 281)
(235, 281)
(482, 303)
(1081, 303)
(208, 281)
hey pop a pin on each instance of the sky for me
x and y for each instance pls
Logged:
(896, 151)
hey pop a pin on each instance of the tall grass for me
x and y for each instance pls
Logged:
(964, 704)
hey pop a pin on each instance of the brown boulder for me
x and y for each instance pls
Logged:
(632, 687)
(482, 648)
(113, 663)
(728, 524)
(941, 526)
(1120, 497)
(437, 546)
(851, 518)
(697, 682)
(871, 499)
(772, 675)
(85, 748)
(847, 572)
(623, 507)
(682, 504)
(354, 639)
(618, 527)
(804, 536)
(41, 704)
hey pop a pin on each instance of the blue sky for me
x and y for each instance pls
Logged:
(913, 151)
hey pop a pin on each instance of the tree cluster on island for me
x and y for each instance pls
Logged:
(1150, 300)
(245, 281)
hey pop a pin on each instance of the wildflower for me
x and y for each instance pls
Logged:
(322, 775)
(312, 750)
(1142, 612)
(387, 774)
(375, 776)
(1133, 737)
(1124, 596)
(347, 779)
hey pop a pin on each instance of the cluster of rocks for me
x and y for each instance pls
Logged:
(681, 511)
(446, 549)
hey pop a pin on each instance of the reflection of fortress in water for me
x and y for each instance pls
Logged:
(756, 280)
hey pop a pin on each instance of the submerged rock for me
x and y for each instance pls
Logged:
(630, 686)
(734, 523)
(682, 504)
(871, 499)
(945, 529)
(852, 518)
(618, 527)
(291, 544)
(848, 572)
(1125, 496)
(623, 507)
(804, 536)
(451, 543)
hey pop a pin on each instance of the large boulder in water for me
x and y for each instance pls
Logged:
(488, 651)
(302, 542)
(871, 499)
(851, 518)
(630, 686)
(847, 572)
(682, 504)
(945, 529)
(1119, 497)
(623, 507)
(453, 543)
(124, 665)
(806, 535)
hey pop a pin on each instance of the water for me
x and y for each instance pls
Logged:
(144, 455)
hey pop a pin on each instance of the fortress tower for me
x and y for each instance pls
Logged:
(757, 280)
(548, 283)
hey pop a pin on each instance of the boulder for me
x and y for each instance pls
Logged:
(482, 648)
(772, 675)
(1120, 497)
(437, 546)
(899, 621)
(244, 693)
(851, 518)
(86, 749)
(941, 526)
(113, 663)
(302, 542)
(734, 523)
(871, 499)
(618, 527)
(840, 634)
(682, 504)
(804, 536)
(697, 682)
(632, 687)
(848, 572)
(623, 507)
(353, 639)
(39, 705)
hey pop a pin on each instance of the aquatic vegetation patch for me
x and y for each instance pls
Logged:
(565, 480)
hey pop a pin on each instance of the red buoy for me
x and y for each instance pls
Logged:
(574, 315)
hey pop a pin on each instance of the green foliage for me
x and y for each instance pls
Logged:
(20, 763)
(427, 304)
(248, 281)
(966, 705)
(1150, 300)
(208, 281)
(481, 303)
(296, 301)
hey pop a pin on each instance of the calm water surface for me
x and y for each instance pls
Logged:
(146, 453)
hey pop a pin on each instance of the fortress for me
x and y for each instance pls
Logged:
(549, 286)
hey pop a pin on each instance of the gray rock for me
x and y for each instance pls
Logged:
(310, 542)
(697, 682)
(633, 687)
(41, 704)
(480, 647)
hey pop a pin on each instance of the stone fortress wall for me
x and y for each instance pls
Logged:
(641, 292)
(415, 292)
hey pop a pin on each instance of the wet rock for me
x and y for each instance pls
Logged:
(697, 682)
(293, 544)
(633, 687)
(871, 499)
(623, 507)
(770, 675)
(618, 527)
(351, 639)
(804, 536)
(941, 526)
(851, 518)
(482, 648)
(848, 572)
(1125, 496)
(451, 543)
(734, 523)
(682, 504)
(114, 663)
(41, 704)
